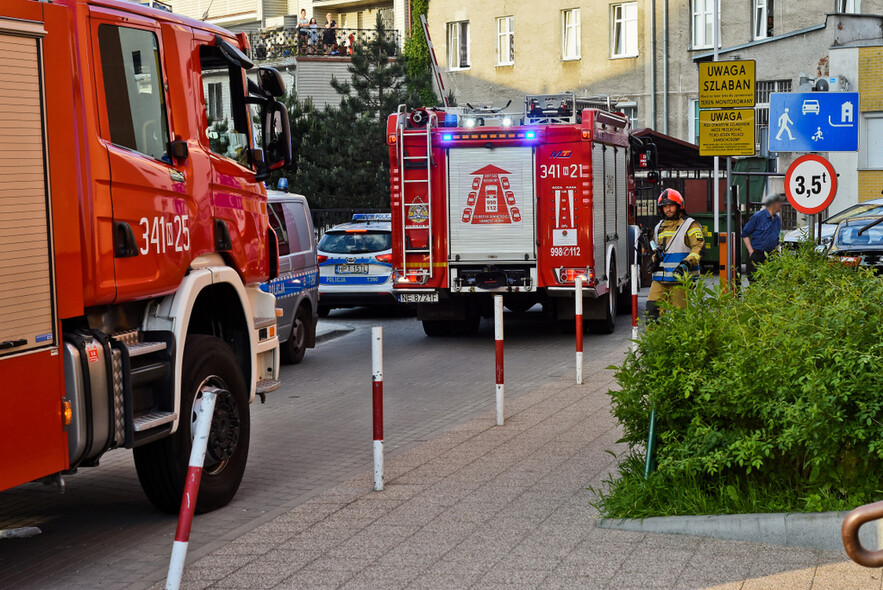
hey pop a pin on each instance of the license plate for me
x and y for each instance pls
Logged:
(418, 297)
(352, 269)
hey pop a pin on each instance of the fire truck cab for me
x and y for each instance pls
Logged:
(134, 238)
(485, 201)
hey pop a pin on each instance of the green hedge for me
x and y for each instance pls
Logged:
(772, 401)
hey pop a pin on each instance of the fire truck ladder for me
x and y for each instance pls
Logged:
(411, 195)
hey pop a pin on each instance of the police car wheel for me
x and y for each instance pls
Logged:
(293, 349)
(323, 311)
(162, 465)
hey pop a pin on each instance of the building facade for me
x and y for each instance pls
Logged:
(641, 56)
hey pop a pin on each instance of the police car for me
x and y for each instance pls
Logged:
(355, 263)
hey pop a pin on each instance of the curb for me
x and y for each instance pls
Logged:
(819, 530)
(333, 333)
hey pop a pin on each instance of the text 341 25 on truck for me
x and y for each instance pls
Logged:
(134, 238)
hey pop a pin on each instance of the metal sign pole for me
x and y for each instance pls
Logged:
(730, 247)
(716, 188)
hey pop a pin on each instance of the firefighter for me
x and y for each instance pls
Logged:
(679, 243)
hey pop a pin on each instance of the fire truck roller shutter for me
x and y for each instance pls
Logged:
(622, 222)
(26, 308)
(598, 240)
(500, 224)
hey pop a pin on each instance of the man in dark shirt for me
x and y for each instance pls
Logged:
(761, 233)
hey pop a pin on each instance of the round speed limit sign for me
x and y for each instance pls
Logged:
(811, 184)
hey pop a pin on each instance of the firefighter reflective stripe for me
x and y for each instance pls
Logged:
(674, 241)
(26, 311)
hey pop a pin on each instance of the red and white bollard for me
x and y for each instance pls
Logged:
(498, 344)
(204, 411)
(377, 402)
(634, 285)
(578, 294)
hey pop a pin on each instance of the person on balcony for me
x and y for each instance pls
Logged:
(329, 36)
(314, 36)
(303, 24)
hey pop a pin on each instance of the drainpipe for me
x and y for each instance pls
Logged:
(653, 63)
(665, 66)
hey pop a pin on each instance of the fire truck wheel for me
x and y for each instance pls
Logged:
(292, 350)
(608, 324)
(162, 465)
(466, 327)
(624, 303)
(437, 328)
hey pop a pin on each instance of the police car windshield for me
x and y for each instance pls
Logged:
(355, 242)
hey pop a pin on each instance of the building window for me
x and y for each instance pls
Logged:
(875, 140)
(763, 19)
(694, 121)
(703, 23)
(630, 110)
(505, 41)
(625, 29)
(762, 92)
(215, 100)
(458, 45)
(848, 6)
(570, 34)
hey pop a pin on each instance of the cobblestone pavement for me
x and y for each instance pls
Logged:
(312, 434)
(489, 507)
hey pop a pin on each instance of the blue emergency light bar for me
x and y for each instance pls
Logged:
(372, 217)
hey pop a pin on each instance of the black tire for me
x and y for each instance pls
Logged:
(162, 465)
(437, 328)
(466, 327)
(608, 300)
(624, 300)
(323, 311)
(292, 350)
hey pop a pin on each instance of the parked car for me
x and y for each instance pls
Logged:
(297, 287)
(856, 243)
(355, 263)
(866, 208)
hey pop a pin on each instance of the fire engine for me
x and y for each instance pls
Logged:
(134, 237)
(485, 202)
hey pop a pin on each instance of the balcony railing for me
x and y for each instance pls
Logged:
(281, 44)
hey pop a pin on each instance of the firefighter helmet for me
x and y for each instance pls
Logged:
(670, 197)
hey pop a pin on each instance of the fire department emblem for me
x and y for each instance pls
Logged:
(418, 213)
(491, 199)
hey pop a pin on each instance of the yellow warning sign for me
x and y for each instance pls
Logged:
(726, 84)
(727, 132)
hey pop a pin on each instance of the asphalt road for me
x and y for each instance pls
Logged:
(312, 433)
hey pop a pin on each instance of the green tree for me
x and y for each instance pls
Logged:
(417, 59)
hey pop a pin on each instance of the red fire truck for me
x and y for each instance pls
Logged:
(520, 204)
(133, 239)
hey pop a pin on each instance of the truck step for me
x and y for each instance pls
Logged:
(267, 385)
(154, 419)
(260, 323)
(142, 348)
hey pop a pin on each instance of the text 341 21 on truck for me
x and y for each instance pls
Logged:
(134, 237)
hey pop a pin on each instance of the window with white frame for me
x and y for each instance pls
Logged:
(458, 45)
(570, 35)
(875, 139)
(763, 19)
(630, 110)
(624, 36)
(694, 121)
(703, 23)
(505, 41)
(848, 6)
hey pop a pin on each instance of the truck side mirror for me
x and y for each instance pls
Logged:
(276, 135)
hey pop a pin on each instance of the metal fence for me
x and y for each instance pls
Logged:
(325, 219)
(283, 43)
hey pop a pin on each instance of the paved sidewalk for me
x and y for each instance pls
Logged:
(502, 507)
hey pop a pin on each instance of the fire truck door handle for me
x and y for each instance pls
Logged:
(124, 244)
(6, 344)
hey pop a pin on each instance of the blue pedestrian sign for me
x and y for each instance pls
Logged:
(813, 122)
